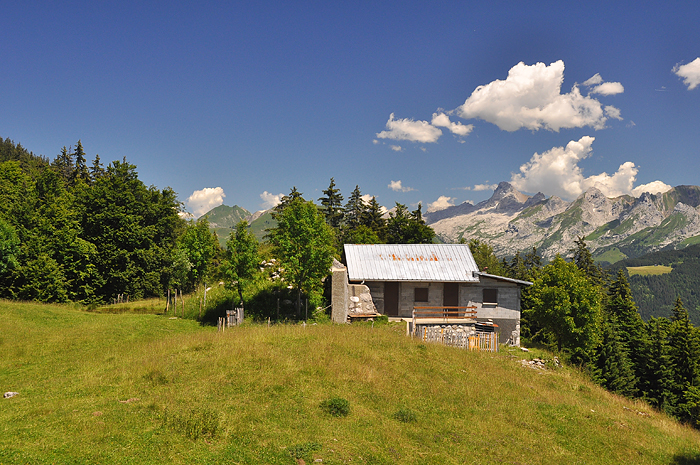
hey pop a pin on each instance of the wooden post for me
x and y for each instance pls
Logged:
(205, 295)
(200, 309)
(167, 303)
(183, 303)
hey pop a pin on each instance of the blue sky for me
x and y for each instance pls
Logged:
(254, 98)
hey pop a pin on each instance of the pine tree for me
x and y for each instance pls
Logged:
(355, 209)
(629, 324)
(373, 219)
(613, 368)
(684, 349)
(332, 206)
(81, 170)
(63, 164)
(97, 170)
(485, 257)
(285, 201)
(656, 382)
(408, 228)
(583, 259)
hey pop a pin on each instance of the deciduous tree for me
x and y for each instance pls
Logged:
(303, 243)
(566, 305)
(241, 258)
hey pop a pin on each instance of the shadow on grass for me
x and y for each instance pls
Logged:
(276, 303)
(690, 458)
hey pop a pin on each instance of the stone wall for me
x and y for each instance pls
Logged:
(407, 294)
(506, 313)
(360, 300)
(376, 289)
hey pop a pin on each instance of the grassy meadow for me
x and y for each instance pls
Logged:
(132, 387)
(649, 270)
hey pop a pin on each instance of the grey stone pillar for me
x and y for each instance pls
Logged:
(339, 293)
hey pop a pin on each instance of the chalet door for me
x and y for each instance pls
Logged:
(450, 295)
(391, 299)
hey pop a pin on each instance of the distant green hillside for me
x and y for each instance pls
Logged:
(259, 226)
(224, 216)
(656, 294)
(223, 219)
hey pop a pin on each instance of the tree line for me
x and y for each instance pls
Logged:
(78, 231)
(578, 309)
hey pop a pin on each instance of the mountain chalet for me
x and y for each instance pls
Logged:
(442, 281)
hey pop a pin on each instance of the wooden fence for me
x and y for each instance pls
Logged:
(459, 338)
(233, 318)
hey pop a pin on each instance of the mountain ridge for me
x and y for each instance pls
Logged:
(614, 228)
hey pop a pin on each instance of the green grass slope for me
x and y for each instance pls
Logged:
(224, 216)
(130, 388)
(260, 226)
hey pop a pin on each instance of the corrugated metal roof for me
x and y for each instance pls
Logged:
(410, 262)
(503, 278)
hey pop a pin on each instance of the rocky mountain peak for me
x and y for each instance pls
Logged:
(506, 189)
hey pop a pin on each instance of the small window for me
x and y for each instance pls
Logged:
(421, 294)
(491, 296)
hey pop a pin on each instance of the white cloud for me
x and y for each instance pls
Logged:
(655, 187)
(204, 200)
(556, 172)
(397, 148)
(613, 112)
(270, 200)
(595, 79)
(410, 130)
(690, 73)
(608, 88)
(485, 187)
(441, 203)
(185, 215)
(531, 98)
(397, 187)
(442, 120)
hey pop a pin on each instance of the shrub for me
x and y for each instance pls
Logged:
(336, 406)
(194, 423)
(405, 415)
(304, 451)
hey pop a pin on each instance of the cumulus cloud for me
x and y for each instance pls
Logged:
(485, 187)
(410, 130)
(441, 203)
(690, 73)
(397, 148)
(442, 120)
(204, 200)
(608, 88)
(397, 187)
(270, 200)
(556, 172)
(655, 187)
(531, 98)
